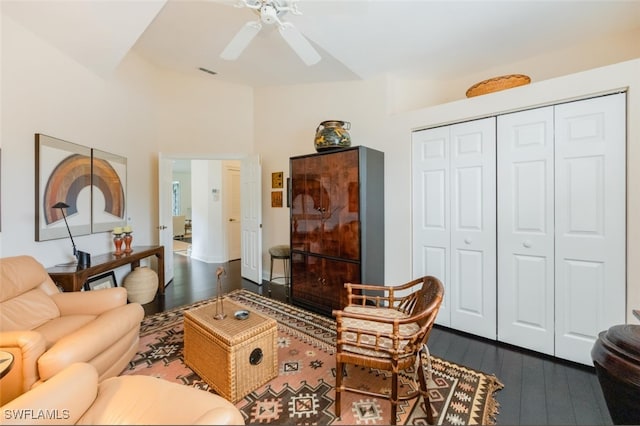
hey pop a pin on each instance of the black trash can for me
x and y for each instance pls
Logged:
(616, 357)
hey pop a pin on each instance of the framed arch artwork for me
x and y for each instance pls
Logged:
(91, 182)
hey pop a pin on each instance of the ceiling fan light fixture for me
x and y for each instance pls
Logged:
(268, 14)
(269, 11)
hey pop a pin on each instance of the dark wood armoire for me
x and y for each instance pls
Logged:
(337, 225)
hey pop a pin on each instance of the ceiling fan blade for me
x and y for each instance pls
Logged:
(241, 40)
(299, 44)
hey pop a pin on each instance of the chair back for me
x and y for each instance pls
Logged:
(426, 306)
(25, 294)
(429, 297)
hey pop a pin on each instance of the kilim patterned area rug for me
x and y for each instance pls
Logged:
(303, 393)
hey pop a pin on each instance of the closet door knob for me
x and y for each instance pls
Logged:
(527, 243)
(467, 240)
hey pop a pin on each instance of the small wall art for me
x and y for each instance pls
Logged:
(276, 180)
(276, 198)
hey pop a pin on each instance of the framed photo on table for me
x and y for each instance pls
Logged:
(99, 282)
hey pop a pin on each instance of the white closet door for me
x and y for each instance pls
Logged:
(473, 227)
(590, 222)
(431, 210)
(454, 235)
(526, 229)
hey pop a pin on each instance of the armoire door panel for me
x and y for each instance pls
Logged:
(336, 225)
(590, 246)
(525, 178)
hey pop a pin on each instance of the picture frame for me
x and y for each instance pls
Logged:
(99, 282)
(108, 191)
(91, 182)
(276, 198)
(276, 180)
(63, 174)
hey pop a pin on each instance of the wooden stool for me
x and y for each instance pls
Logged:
(283, 253)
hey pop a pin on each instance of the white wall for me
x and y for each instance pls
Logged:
(208, 243)
(136, 113)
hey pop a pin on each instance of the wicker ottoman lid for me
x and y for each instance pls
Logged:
(498, 83)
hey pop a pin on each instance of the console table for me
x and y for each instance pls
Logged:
(73, 277)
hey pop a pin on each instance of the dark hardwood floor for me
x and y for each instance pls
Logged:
(538, 389)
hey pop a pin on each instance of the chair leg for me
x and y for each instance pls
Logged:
(424, 390)
(338, 386)
(271, 270)
(394, 397)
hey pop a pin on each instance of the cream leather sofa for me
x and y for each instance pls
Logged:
(46, 330)
(74, 396)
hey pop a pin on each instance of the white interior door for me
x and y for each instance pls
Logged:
(473, 227)
(251, 222)
(431, 211)
(526, 229)
(590, 222)
(165, 217)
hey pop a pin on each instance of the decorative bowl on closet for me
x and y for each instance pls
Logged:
(498, 83)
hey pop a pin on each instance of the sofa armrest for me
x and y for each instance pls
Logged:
(26, 347)
(90, 302)
(64, 398)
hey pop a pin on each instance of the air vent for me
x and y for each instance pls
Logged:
(207, 71)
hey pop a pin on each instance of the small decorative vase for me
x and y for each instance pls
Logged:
(332, 134)
(128, 238)
(117, 242)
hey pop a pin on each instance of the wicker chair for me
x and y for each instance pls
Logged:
(388, 330)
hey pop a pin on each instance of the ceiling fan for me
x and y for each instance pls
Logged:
(270, 12)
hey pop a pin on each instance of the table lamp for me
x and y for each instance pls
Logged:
(84, 259)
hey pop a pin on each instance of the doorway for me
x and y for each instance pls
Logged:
(239, 218)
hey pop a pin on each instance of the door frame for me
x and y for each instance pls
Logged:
(165, 229)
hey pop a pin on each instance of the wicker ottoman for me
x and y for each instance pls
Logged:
(233, 356)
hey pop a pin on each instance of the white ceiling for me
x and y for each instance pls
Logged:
(361, 39)
(357, 39)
